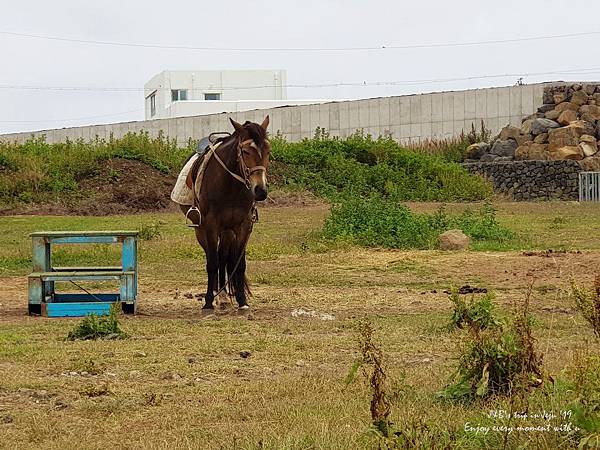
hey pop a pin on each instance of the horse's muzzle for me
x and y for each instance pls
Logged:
(260, 193)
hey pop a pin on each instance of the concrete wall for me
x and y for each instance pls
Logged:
(408, 118)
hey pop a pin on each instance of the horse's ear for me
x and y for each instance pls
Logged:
(237, 126)
(265, 123)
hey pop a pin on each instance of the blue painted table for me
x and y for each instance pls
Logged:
(42, 296)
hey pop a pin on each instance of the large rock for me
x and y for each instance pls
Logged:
(509, 132)
(504, 148)
(570, 134)
(454, 240)
(590, 113)
(477, 150)
(526, 126)
(566, 117)
(566, 152)
(579, 98)
(552, 115)
(566, 105)
(559, 97)
(488, 157)
(540, 126)
(546, 107)
(589, 88)
(532, 151)
(541, 138)
(590, 164)
(588, 145)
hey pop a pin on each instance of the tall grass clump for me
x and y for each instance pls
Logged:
(359, 165)
(587, 301)
(498, 359)
(378, 222)
(36, 170)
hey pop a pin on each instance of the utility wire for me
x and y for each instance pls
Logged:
(300, 49)
(582, 71)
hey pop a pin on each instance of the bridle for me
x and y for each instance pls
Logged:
(244, 169)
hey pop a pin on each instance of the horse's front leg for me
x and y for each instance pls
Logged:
(212, 268)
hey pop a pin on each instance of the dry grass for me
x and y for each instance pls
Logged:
(179, 381)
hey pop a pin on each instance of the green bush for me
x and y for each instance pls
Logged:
(379, 222)
(96, 327)
(477, 313)
(359, 165)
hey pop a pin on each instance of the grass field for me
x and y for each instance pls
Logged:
(178, 380)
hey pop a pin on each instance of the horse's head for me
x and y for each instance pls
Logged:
(254, 150)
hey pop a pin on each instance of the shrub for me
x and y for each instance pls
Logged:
(96, 327)
(586, 408)
(376, 221)
(359, 165)
(497, 359)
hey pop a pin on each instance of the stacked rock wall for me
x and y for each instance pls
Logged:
(531, 180)
(565, 127)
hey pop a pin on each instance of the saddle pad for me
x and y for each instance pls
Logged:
(182, 194)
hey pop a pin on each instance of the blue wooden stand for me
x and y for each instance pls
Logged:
(45, 301)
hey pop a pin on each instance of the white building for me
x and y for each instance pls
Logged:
(192, 93)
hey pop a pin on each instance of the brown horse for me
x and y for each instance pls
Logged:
(234, 179)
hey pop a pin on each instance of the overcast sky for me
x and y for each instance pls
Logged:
(281, 23)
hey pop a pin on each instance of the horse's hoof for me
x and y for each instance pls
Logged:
(244, 308)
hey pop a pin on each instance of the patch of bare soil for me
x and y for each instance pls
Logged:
(120, 187)
(125, 186)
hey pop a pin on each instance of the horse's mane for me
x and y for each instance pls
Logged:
(256, 132)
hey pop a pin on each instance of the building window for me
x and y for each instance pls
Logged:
(179, 94)
(152, 99)
(212, 96)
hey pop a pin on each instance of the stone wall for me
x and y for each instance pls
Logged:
(531, 180)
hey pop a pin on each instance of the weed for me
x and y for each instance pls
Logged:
(588, 303)
(96, 327)
(475, 314)
(586, 408)
(496, 360)
(149, 231)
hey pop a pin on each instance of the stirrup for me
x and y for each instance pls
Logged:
(189, 222)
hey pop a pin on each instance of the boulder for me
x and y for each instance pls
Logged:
(579, 98)
(546, 107)
(526, 126)
(540, 126)
(522, 138)
(532, 151)
(566, 152)
(590, 113)
(589, 89)
(541, 138)
(566, 117)
(552, 115)
(504, 148)
(559, 97)
(570, 134)
(566, 105)
(454, 240)
(590, 164)
(477, 150)
(596, 97)
(588, 145)
(509, 132)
